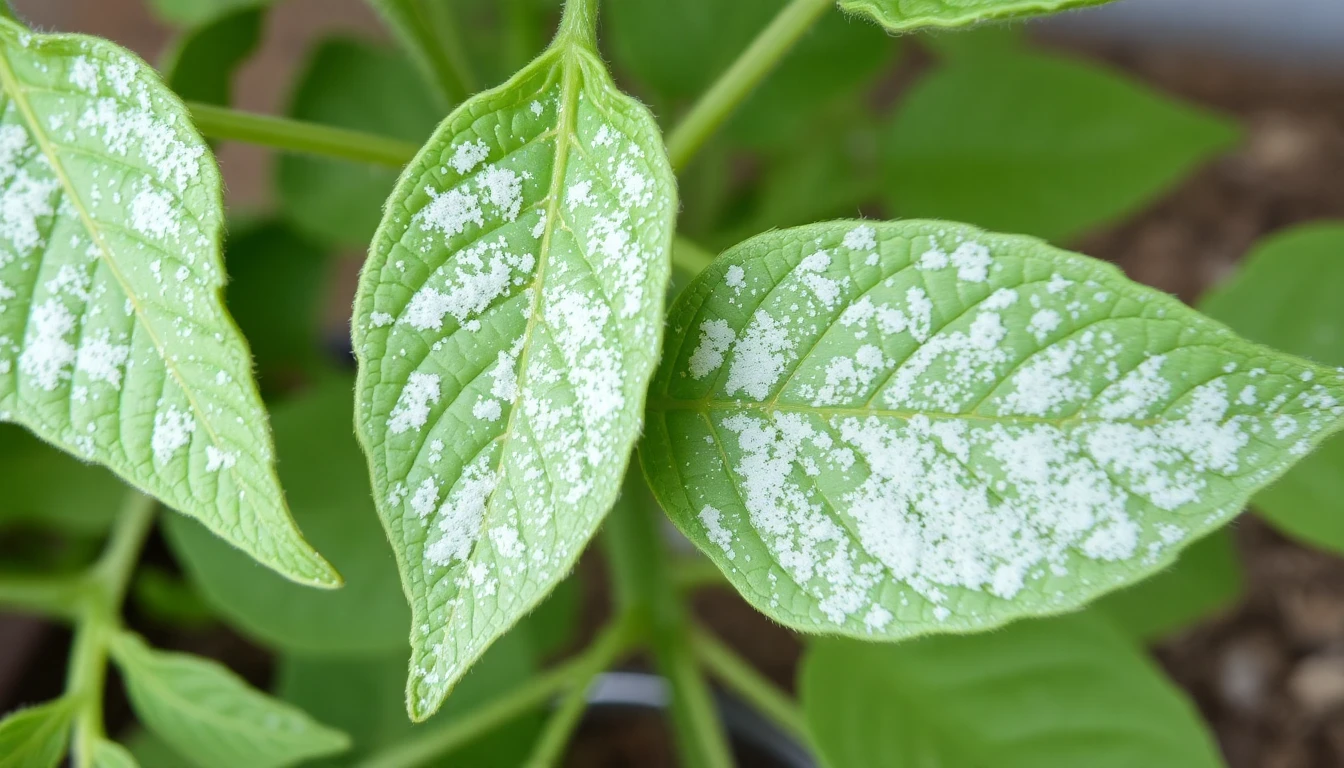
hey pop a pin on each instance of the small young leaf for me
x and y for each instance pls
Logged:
(506, 326)
(114, 344)
(109, 754)
(364, 87)
(1286, 295)
(888, 429)
(35, 737)
(1039, 144)
(904, 15)
(201, 64)
(1205, 579)
(321, 465)
(1055, 693)
(211, 716)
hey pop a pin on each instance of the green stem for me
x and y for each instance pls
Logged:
(750, 68)
(578, 25)
(423, 747)
(742, 678)
(644, 586)
(550, 748)
(106, 581)
(54, 597)
(295, 136)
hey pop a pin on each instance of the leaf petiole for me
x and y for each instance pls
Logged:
(297, 136)
(740, 676)
(750, 68)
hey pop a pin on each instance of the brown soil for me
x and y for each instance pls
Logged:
(1269, 675)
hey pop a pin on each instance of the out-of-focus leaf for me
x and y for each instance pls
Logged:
(1287, 295)
(45, 485)
(169, 599)
(34, 737)
(1039, 145)
(365, 87)
(322, 468)
(195, 13)
(201, 64)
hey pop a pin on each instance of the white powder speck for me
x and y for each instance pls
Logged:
(425, 498)
(459, 519)
(172, 431)
(47, 355)
(735, 277)
(860, 238)
(101, 360)
(450, 212)
(380, 319)
(713, 522)
(759, 356)
(486, 410)
(468, 155)
(216, 459)
(504, 189)
(1043, 322)
(412, 408)
(715, 338)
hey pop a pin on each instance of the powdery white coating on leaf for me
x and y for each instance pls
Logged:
(114, 342)
(522, 263)
(965, 434)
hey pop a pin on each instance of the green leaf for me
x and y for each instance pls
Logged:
(170, 599)
(196, 13)
(903, 15)
(211, 716)
(888, 429)
(1057, 693)
(321, 465)
(355, 85)
(1203, 581)
(114, 344)
(366, 697)
(507, 323)
(676, 49)
(278, 282)
(1285, 295)
(109, 754)
(201, 63)
(43, 484)
(1039, 145)
(35, 737)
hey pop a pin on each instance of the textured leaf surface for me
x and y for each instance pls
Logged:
(34, 737)
(363, 87)
(114, 343)
(1204, 580)
(507, 322)
(901, 15)
(324, 471)
(109, 754)
(1037, 144)
(1056, 693)
(886, 429)
(1287, 295)
(211, 716)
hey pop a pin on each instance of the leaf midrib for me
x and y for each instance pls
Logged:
(16, 92)
(564, 135)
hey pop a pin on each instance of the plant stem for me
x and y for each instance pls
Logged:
(295, 136)
(550, 747)
(578, 25)
(644, 587)
(741, 677)
(750, 68)
(425, 746)
(54, 597)
(99, 618)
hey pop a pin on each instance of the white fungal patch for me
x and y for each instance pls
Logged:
(47, 354)
(716, 336)
(458, 521)
(504, 189)
(861, 238)
(153, 212)
(735, 277)
(759, 356)
(172, 431)
(475, 280)
(713, 522)
(426, 497)
(412, 410)
(468, 155)
(101, 360)
(450, 212)
(216, 459)
(1043, 323)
